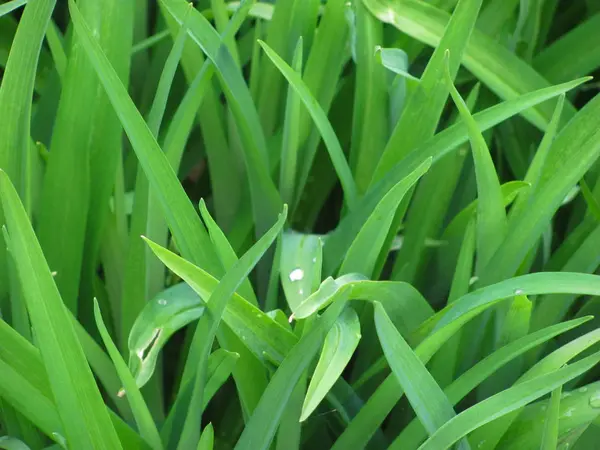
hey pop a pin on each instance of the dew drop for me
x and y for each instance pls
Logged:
(162, 302)
(301, 291)
(481, 444)
(595, 400)
(121, 393)
(569, 412)
(518, 291)
(314, 259)
(582, 389)
(296, 274)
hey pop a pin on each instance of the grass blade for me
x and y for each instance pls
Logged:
(338, 347)
(80, 405)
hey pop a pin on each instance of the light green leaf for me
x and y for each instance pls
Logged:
(340, 343)
(427, 399)
(78, 399)
(142, 415)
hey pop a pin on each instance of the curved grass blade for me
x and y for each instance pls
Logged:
(261, 427)
(205, 334)
(225, 252)
(183, 220)
(11, 6)
(79, 402)
(427, 399)
(320, 118)
(265, 199)
(434, 332)
(505, 402)
(339, 346)
(16, 92)
(437, 147)
(142, 415)
(207, 439)
(291, 137)
(300, 266)
(414, 434)
(367, 245)
(369, 121)
(349, 241)
(491, 214)
(424, 107)
(168, 312)
(550, 436)
(573, 152)
(496, 67)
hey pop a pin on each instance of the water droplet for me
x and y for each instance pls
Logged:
(566, 394)
(518, 291)
(481, 444)
(121, 393)
(314, 259)
(473, 280)
(544, 407)
(296, 274)
(569, 412)
(301, 291)
(244, 338)
(582, 389)
(595, 400)
(54, 273)
(140, 354)
(162, 302)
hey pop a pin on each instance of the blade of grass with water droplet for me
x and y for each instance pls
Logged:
(505, 402)
(550, 436)
(414, 434)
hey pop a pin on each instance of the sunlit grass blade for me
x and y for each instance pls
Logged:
(320, 118)
(191, 238)
(79, 402)
(491, 214)
(495, 66)
(414, 434)
(369, 123)
(11, 6)
(366, 247)
(140, 410)
(265, 199)
(505, 402)
(291, 138)
(261, 427)
(424, 107)
(427, 399)
(16, 92)
(338, 347)
(550, 436)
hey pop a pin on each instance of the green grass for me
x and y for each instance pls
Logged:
(299, 224)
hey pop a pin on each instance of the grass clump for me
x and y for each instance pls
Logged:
(299, 224)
